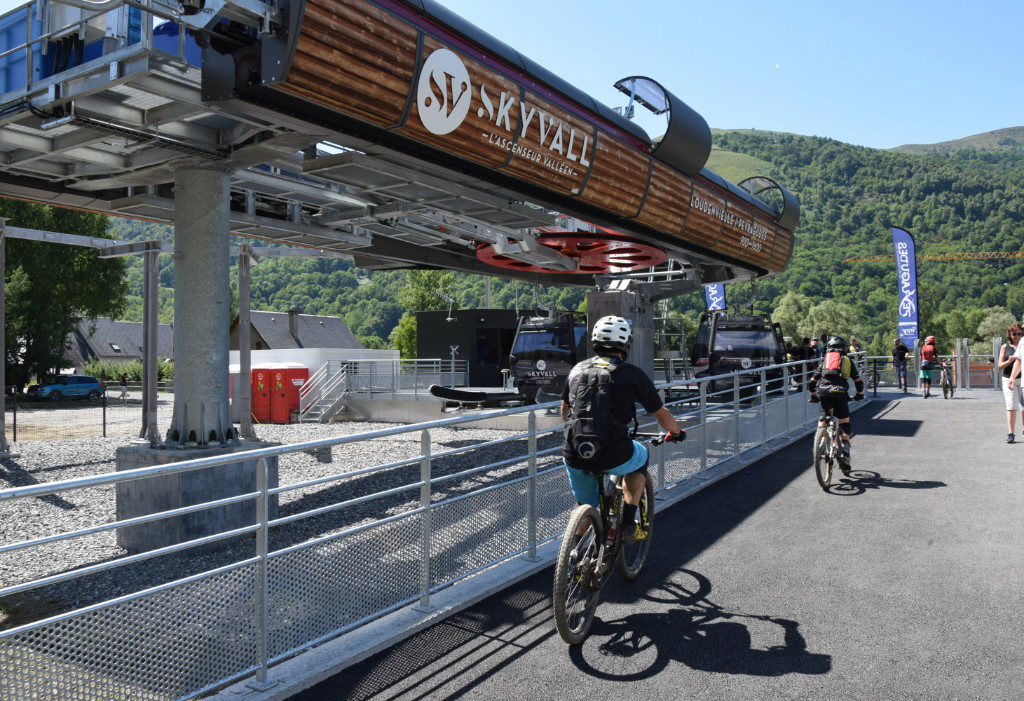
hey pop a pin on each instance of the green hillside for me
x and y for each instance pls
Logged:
(737, 166)
(1011, 139)
(968, 198)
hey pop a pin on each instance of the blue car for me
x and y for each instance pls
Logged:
(67, 387)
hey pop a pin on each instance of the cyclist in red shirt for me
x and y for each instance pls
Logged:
(928, 356)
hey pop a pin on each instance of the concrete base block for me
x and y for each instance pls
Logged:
(155, 494)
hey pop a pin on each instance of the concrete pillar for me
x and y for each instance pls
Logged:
(201, 426)
(201, 307)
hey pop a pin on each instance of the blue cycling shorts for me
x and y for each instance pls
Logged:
(586, 486)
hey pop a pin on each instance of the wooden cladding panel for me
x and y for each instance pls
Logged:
(744, 237)
(668, 199)
(360, 60)
(483, 136)
(782, 249)
(618, 177)
(703, 226)
(355, 58)
(554, 148)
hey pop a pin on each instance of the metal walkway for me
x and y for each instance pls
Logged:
(905, 581)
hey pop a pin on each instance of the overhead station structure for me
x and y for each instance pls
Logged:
(392, 130)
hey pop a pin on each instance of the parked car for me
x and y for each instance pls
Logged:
(67, 387)
(727, 342)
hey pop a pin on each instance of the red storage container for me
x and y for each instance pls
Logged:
(261, 406)
(279, 383)
(261, 395)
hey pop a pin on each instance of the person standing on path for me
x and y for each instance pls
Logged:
(124, 388)
(899, 362)
(1009, 364)
(928, 356)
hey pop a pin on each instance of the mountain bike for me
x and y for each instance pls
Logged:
(593, 543)
(828, 451)
(947, 383)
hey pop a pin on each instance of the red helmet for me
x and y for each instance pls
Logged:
(929, 341)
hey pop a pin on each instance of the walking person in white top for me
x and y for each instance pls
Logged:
(1009, 363)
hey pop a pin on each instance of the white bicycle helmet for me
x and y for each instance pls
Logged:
(612, 333)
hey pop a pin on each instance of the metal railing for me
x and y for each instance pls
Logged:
(966, 372)
(338, 379)
(131, 28)
(443, 513)
(672, 369)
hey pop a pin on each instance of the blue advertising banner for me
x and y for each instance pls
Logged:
(906, 285)
(715, 295)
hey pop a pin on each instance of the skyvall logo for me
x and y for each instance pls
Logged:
(444, 92)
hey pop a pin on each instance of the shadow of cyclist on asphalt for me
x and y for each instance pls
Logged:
(698, 633)
(860, 481)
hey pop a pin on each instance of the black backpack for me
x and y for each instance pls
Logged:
(593, 427)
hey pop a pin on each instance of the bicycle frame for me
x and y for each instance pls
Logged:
(611, 501)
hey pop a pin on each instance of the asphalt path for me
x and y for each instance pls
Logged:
(905, 581)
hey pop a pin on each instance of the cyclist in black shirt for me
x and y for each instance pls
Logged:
(627, 386)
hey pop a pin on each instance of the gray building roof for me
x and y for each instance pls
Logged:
(275, 329)
(106, 339)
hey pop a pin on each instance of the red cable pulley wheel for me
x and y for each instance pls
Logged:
(598, 254)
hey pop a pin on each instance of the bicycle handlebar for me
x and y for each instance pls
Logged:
(659, 438)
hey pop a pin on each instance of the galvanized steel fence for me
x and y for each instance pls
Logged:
(185, 638)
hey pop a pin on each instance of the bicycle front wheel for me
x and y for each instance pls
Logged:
(822, 460)
(947, 387)
(576, 583)
(633, 555)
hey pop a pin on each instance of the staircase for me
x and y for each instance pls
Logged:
(326, 393)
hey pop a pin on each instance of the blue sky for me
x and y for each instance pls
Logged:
(872, 73)
(877, 74)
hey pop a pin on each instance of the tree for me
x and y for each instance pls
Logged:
(994, 324)
(423, 290)
(403, 337)
(830, 317)
(791, 310)
(51, 287)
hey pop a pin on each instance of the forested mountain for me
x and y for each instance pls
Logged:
(954, 197)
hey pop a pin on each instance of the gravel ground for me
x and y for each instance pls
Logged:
(54, 460)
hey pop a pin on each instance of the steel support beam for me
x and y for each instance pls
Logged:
(201, 307)
(5, 450)
(150, 362)
(245, 259)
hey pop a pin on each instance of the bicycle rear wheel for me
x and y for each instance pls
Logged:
(576, 585)
(633, 555)
(822, 461)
